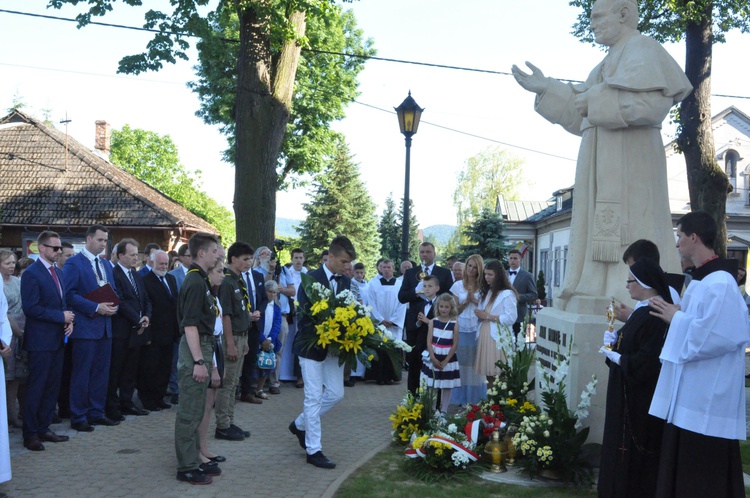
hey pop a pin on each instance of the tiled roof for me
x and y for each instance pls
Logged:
(36, 187)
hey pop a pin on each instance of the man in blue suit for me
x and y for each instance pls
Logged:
(324, 377)
(48, 321)
(92, 338)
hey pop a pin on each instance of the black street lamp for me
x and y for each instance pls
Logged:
(408, 121)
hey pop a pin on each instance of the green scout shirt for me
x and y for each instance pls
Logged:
(196, 306)
(233, 302)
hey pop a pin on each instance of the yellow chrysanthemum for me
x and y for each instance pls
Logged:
(318, 307)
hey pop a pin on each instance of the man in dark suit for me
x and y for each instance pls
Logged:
(128, 328)
(48, 321)
(256, 291)
(92, 337)
(324, 378)
(156, 355)
(524, 284)
(411, 293)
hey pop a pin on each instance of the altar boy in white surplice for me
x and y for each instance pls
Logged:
(382, 296)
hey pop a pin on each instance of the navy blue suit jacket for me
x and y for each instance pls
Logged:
(79, 281)
(306, 328)
(132, 306)
(43, 307)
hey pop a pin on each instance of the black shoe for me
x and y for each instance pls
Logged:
(106, 421)
(194, 477)
(164, 405)
(238, 430)
(320, 460)
(114, 415)
(349, 383)
(174, 399)
(33, 444)
(218, 459)
(210, 469)
(228, 434)
(152, 408)
(300, 436)
(134, 410)
(81, 426)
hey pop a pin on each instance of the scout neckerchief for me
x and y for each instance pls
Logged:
(241, 280)
(215, 306)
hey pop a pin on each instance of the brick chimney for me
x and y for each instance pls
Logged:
(102, 137)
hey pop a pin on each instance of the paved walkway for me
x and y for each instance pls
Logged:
(137, 457)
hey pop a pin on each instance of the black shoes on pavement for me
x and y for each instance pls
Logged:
(320, 460)
(300, 436)
(196, 476)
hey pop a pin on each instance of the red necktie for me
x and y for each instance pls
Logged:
(57, 281)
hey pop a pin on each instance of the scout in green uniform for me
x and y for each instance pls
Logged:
(196, 312)
(235, 303)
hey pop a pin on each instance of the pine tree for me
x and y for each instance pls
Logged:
(340, 205)
(413, 230)
(390, 231)
(486, 236)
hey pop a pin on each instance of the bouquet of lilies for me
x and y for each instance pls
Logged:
(343, 325)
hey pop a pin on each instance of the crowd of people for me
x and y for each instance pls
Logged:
(93, 340)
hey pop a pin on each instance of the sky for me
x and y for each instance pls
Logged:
(52, 65)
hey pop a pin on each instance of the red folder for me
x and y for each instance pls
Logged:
(104, 294)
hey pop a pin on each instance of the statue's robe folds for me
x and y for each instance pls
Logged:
(621, 179)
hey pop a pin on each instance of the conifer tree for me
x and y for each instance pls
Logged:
(486, 236)
(341, 205)
(413, 230)
(390, 231)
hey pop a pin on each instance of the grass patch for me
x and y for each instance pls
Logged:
(745, 454)
(388, 474)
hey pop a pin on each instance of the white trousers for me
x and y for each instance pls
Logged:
(324, 387)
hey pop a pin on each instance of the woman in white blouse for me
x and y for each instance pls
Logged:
(467, 293)
(498, 304)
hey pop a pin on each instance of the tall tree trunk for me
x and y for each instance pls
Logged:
(264, 95)
(707, 182)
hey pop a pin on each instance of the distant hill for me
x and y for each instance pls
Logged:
(285, 227)
(440, 233)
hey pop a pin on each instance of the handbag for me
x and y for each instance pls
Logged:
(266, 360)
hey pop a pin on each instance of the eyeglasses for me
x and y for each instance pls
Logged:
(54, 248)
(630, 281)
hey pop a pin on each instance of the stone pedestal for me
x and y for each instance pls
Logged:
(577, 331)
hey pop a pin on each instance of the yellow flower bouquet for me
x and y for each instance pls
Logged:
(343, 325)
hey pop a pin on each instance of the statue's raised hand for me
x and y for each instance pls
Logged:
(535, 82)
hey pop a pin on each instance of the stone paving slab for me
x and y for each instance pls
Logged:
(137, 457)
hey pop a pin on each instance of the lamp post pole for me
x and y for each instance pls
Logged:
(406, 218)
(409, 114)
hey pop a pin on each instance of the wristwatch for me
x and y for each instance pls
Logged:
(200, 362)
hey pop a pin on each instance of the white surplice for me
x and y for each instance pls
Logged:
(5, 336)
(385, 305)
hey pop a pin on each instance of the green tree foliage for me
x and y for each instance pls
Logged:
(489, 174)
(271, 37)
(325, 84)
(485, 236)
(541, 288)
(154, 159)
(413, 230)
(389, 229)
(700, 23)
(340, 205)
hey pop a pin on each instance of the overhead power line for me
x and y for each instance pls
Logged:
(471, 134)
(312, 50)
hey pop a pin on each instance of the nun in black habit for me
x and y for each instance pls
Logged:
(632, 437)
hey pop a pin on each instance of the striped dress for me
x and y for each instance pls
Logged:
(442, 341)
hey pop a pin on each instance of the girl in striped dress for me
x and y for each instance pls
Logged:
(441, 369)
